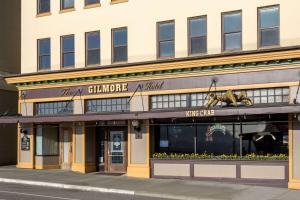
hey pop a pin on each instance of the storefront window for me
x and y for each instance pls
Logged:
(47, 141)
(261, 138)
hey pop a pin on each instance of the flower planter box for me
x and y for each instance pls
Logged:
(260, 172)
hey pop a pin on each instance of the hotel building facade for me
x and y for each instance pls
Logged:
(105, 85)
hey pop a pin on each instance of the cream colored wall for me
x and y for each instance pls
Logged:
(140, 16)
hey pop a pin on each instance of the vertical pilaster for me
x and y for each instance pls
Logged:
(139, 150)
(79, 148)
(26, 157)
(294, 153)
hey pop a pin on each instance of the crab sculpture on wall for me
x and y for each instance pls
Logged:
(229, 98)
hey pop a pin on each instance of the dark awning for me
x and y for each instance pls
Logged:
(233, 111)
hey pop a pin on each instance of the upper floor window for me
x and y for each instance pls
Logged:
(232, 31)
(119, 51)
(268, 26)
(67, 51)
(166, 39)
(89, 2)
(43, 6)
(93, 48)
(44, 54)
(66, 4)
(197, 35)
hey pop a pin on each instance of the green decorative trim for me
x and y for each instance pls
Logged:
(164, 72)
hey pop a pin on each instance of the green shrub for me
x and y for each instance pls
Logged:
(219, 157)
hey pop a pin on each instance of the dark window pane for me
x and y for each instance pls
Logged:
(232, 41)
(167, 49)
(44, 62)
(93, 40)
(87, 2)
(166, 31)
(181, 139)
(198, 27)
(68, 60)
(269, 17)
(68, 44)
(44, 46)
(93, 57)
(44, 6)
(120, 37)
(67, 4)
(232, 22)
(269, 37)
(198, 45)
(120, 54)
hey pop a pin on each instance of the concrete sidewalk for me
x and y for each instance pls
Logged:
(172, 189)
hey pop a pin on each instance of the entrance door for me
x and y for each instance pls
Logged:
(66, 149)
(117, 152)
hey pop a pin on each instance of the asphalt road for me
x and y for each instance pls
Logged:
(25, 192)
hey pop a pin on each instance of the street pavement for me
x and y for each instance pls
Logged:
(25, 192)
(145, 188)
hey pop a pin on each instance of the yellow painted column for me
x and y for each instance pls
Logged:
(139, 151)
(294, 153)
(26, 158)
(79, 148)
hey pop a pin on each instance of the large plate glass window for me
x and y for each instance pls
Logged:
(67, 51)
(268, 26)
(198, 35)
(44, 54)
(93, 48)
(47, 140)
(166, 39)
(232, 31)
(120, 53)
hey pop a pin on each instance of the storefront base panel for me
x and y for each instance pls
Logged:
(138, 171)
(78, 168)
(90, 168)
(25, 166)
(47, 166)
(264, 173)
(294, 185)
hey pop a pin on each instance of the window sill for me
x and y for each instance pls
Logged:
(66, 10)
(117, 1)
(43, 14)
(43, 70)
(232, 51)
(95, 5)
(119, 62)
(94, 65)
(166, 58)
(197, 54)
(269, 47)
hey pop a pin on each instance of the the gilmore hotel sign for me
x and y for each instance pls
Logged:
(108, 88)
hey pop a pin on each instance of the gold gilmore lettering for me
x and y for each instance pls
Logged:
(200, 113)
(108, 88)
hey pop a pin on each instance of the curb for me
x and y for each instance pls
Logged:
(69, 187)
